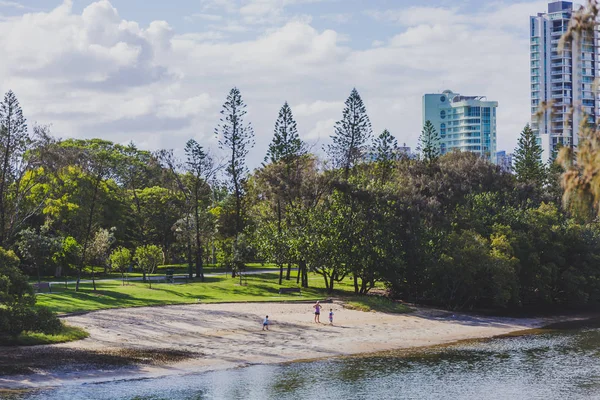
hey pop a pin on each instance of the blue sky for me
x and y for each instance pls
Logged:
(156, 72)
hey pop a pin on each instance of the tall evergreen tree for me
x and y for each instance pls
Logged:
(386, 147)
(14, 141)
(237, 138)
(529, 167)
(385, 150)
(286, 142)
(199, 165)
(429, 143)
(352, 134)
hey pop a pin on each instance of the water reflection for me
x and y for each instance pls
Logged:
(557, 365)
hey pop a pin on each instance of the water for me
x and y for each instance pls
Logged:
(557, 365)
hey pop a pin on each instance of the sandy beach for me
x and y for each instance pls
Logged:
(203, 337)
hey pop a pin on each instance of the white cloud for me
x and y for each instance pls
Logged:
(95, 74)
(204, 17)
(12, 4)
(317, 107)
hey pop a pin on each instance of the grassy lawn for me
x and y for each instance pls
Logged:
(68, 334)
(264, 287)
(180, 269)
(376, 303)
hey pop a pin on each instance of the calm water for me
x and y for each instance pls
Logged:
(560, 365)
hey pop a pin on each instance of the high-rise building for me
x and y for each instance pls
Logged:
(465, 123)
(563, 78)
(504, 160)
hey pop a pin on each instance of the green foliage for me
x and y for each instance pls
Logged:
(147, 259)
(529, 167)
(37, 248)
(351, 134)
(64, 335)
(429, 143)
(237, 138)
(17, 312)
(120, 259)
(286, 144)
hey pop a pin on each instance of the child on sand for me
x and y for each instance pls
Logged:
(331, 316)
(317, 308)
(266, 323)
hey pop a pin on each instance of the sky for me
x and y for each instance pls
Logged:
(157, 72)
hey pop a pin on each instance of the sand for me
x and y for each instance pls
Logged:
(230, 335)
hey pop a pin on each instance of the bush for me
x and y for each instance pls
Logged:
(46, 322)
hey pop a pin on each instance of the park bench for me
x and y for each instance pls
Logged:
(38, 287)
(170, 276)
(289, 290)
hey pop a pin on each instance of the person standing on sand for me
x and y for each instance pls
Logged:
(317, 308)
(266, 323)
(331, 316)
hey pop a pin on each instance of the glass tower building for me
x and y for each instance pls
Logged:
(465, 123)
(561, 79)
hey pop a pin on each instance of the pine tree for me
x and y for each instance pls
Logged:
(352, 134)
(237, 138)
(386, 152)
(429, 143)
(14, 141)
(199, 165)
(529, 167)
(386, 148)
(286, 144)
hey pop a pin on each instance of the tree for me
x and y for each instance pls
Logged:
(120, 260)
(14, 142)
(148, 258)
(351, 135)
(386, 151)
(69, 256)
(99, 248)
(286, 144)
(529, 167)
(38, 248)
(429, 143)
(98, 159)
(200, 167)
(237, 138)
(17, 301)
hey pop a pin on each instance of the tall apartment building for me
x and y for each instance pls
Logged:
(465, 123)
(504, 160)
(563, 78)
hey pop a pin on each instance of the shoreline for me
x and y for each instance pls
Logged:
(226, 336)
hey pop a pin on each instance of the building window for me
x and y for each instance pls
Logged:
(443, 130)
(443, 99)
(443, 114)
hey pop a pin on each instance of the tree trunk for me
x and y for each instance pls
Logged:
(326, 281)
(289, 271)
(190, 261)
(332, 280)
(3, 184)
(38, 273)
(280, 274)
(356, 291)
(199, 266)
(304, 275)
(89, 229)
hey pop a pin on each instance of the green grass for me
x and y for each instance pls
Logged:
(180, 269)
(376, 303)
(68, 334)
(111, 294)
